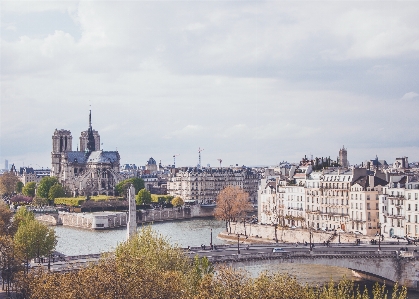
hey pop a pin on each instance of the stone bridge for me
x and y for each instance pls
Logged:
(384, 266)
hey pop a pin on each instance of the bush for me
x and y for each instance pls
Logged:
(69, 201)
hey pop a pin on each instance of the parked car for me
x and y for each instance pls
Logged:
(358, 232)
(278, 249)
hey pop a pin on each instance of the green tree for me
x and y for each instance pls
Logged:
(29, 189)
(34, 239)
(122, 187)
(8, 183)
(45, 184)
(177, 201)
(19, 186)
(56, 191)
(143, 197)
(22, 215)
(9, 262)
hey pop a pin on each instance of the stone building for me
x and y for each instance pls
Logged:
(204, 184)
(88, 171)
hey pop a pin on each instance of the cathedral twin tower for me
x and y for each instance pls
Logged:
(88, 171)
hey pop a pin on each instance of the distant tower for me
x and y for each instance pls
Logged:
(199, 159)
(132, 213)
(343, 157)
(61, 142)
(6, 164)
(89, 139)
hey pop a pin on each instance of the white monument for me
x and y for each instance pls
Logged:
(132, 213)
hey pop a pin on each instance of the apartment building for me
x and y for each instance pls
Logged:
(204, 184)
(364, 204)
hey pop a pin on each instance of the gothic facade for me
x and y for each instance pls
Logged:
(88, 171)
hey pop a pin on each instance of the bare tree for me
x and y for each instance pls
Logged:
(232, 203)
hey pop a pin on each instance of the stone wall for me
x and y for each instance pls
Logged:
(267, 233)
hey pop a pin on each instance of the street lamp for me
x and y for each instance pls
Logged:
(244, 224)
(211, 240)
(379, 237)
(238, 244)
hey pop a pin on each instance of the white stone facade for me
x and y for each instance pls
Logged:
(204, 185)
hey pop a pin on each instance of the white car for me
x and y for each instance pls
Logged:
(278, 249)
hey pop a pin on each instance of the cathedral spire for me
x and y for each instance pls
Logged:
(90, 138)
(90, 118)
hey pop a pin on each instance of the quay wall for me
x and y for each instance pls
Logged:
(257, 233)
(85, 220)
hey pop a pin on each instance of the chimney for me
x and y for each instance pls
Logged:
(371, 181)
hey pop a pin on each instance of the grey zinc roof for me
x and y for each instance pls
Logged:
(95, 157)
(103, 157)
(76, 157)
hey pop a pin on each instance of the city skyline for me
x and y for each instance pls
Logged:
(252, 83)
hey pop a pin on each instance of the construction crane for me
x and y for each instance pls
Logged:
(174, 160)
(219, 160)
(199, 151)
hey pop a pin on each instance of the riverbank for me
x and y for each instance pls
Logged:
(263, 234)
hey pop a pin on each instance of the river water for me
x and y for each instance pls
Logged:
(74, 241)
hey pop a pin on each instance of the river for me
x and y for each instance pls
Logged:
(74, 241)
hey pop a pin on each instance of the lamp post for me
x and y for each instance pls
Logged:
(379, 237)
(244, 224)
(238, 244)
(211, 240)
(309, 232)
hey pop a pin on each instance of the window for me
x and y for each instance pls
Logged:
(368, 206)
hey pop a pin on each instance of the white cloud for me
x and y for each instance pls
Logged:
(409, 96)
(257, 81)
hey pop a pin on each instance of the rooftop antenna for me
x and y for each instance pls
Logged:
(219, 160)
(199, 151)
(174, 160)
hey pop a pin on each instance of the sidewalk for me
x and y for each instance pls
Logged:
(3, 295)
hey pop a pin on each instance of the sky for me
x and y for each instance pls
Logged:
(250, 82)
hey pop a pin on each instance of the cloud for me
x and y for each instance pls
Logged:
(409, 96)
(252, 82)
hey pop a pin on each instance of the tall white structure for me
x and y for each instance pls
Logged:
(132, 213)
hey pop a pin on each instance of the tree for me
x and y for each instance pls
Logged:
(34, 239)
(6, 222)
(56, 191)
(9, 261)
(177, 201)
(232, 203)
(122, 187)
(143, 197)
(8, 183)
(39, 201)
(19, 186)
(29, 189)
(45, 184)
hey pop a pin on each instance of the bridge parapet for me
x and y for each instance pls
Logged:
(388, 266)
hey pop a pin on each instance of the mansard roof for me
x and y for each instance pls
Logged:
(364, 182)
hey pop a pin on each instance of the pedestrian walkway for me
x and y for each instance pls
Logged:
(3, 295)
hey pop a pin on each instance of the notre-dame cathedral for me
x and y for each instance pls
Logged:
(88, 171)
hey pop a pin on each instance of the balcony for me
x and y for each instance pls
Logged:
(397, 216)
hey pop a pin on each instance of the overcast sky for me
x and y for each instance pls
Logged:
(251, 82)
